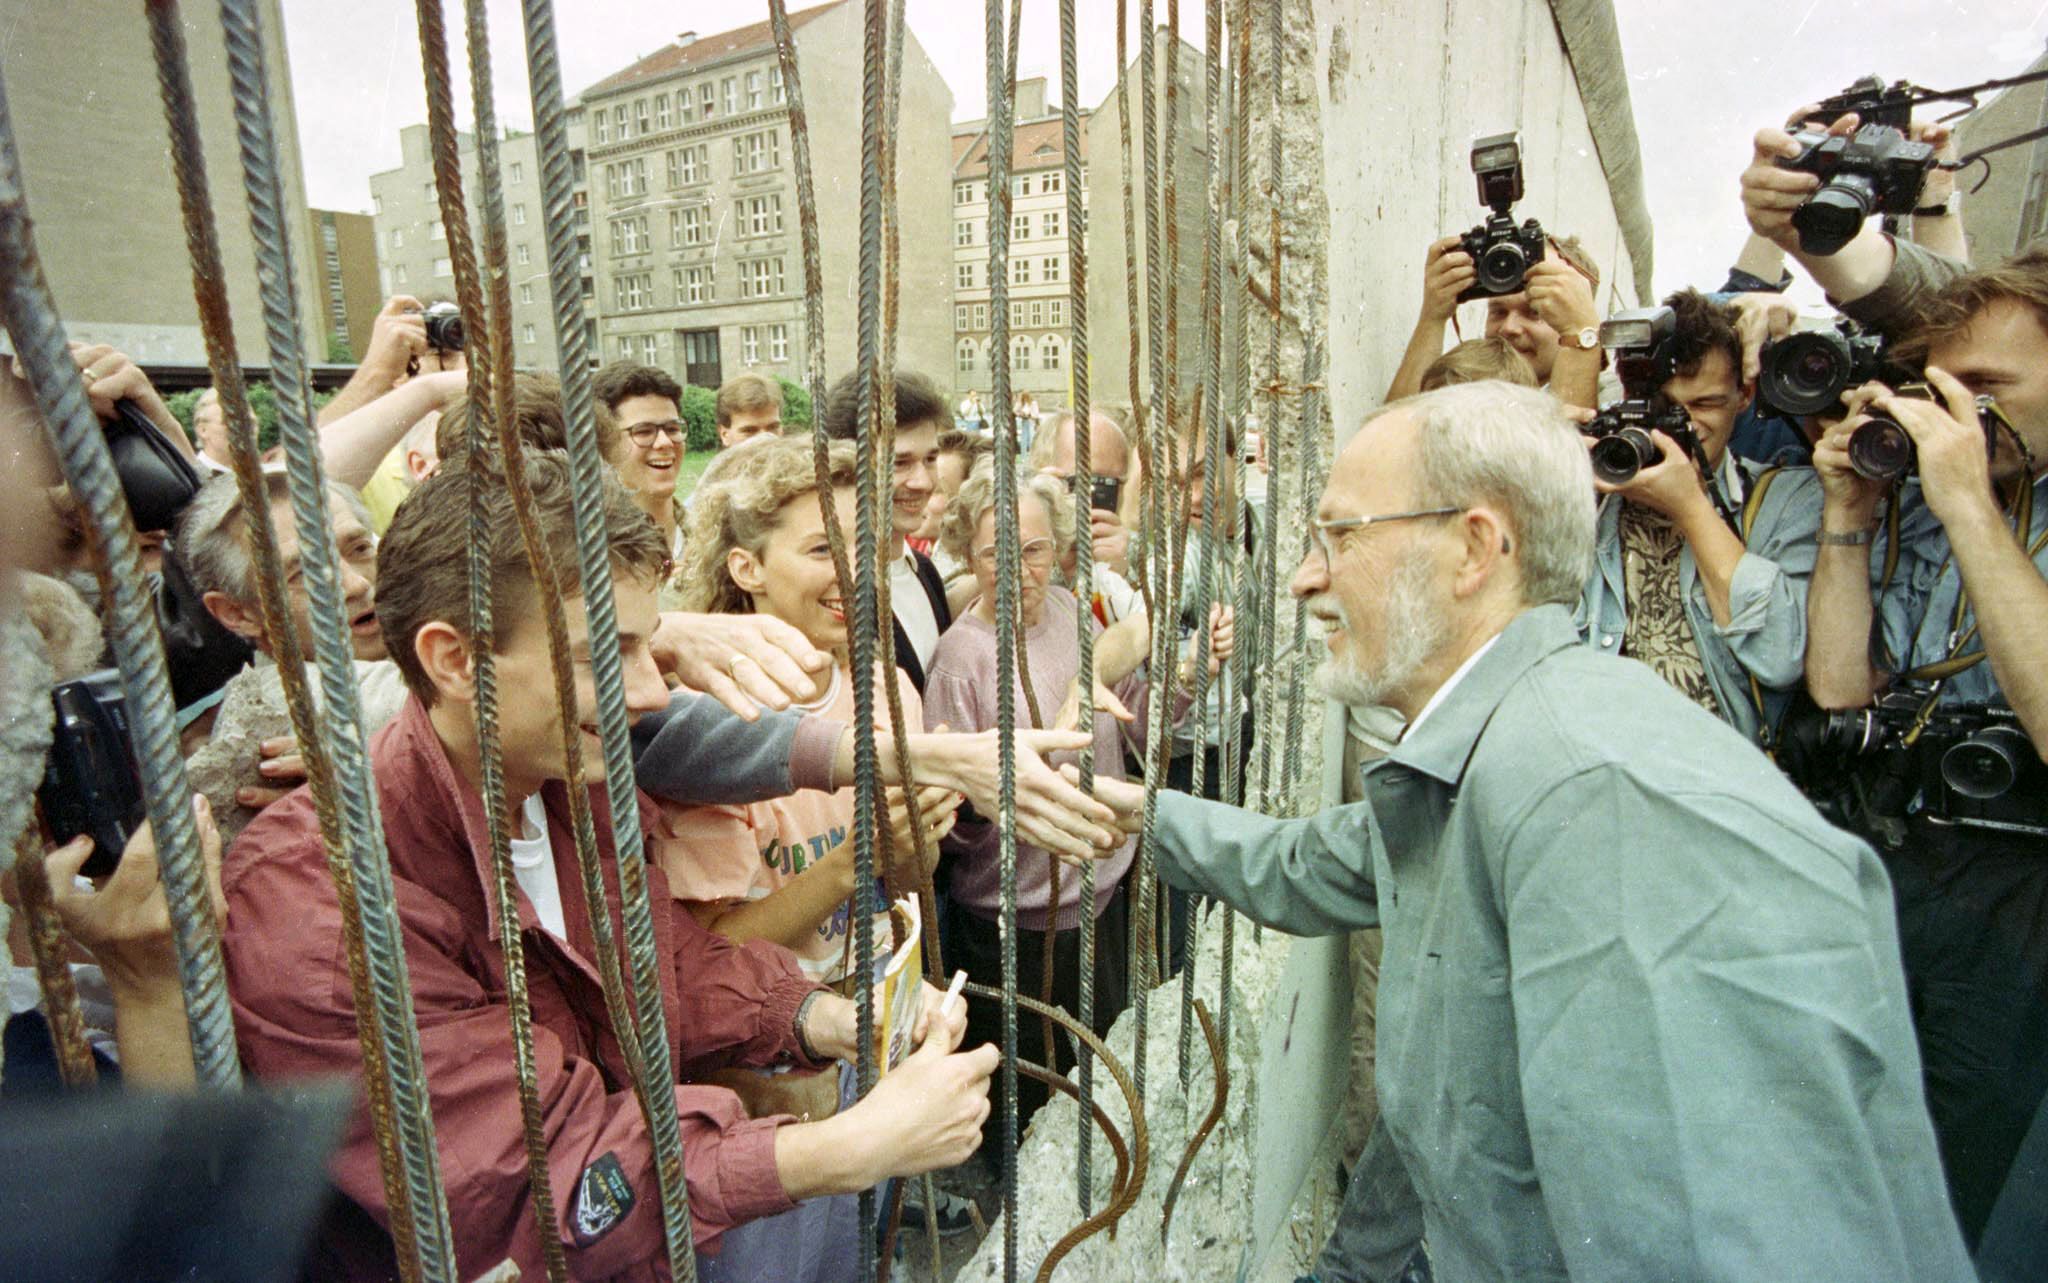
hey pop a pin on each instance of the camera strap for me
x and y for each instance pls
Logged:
(1955, 661)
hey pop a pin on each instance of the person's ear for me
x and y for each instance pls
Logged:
(1486, 548)
(746, 570)
(233, 616)
(1745, 396)
(444, 657)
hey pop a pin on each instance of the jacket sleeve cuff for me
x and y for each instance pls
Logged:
(744, 1184)
(779, 1006)
(812, 752)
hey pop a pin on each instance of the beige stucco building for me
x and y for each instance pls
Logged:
(698, 265)
(89, 121)
(2011, 208)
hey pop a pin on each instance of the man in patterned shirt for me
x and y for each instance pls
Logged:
(1716, 606)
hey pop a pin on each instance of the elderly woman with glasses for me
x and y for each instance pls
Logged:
(961, 694)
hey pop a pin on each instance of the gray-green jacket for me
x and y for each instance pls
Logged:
(1640, 1009)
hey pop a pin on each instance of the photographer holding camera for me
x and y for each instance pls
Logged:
(1944, 771)
(1539, 289)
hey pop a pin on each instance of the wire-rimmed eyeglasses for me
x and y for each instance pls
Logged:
(1321, 528)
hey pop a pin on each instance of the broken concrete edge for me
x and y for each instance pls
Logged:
(1592, 44)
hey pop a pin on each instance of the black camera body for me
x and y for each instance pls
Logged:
(1807, 372)
(1872, 101)
(444, 327)
(1876, 170)
(1972, 765)
(1501, 251)
(1882, 450)
(91, 783)
(1622, 444)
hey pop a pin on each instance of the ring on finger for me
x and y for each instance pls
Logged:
(732, 663)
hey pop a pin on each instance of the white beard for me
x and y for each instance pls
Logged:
(1414, 629)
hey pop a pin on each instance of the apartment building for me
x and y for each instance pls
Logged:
(345, 275)
(412, 245)
(88, 120)
(1040, 329)
(2010, 209)
(699, 269)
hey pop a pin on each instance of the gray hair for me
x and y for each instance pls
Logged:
(1515, 449)
(977, 498)
(209, 539)
(1046, 443)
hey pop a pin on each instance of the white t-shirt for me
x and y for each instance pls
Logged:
(913, 609)
(533, 864)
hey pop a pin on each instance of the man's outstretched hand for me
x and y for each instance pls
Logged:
(745, 662)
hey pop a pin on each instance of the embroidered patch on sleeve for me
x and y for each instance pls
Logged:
(603, 1197)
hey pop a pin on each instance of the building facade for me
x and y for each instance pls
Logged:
(89, 123)
(412, 245)
(2011, 208)
(345, 274)
(1041, 331)
(699, 267)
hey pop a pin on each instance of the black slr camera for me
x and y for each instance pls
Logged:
(444, 327)
(1876, 170)
(1622, 444)
(1501, 252)
(1971, 765)
(1807, 372)
(1881, 449)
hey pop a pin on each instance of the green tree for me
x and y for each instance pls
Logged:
(700, 408)
(796, 404)
(338, 350)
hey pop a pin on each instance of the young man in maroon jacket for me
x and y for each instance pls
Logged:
(725, 1004)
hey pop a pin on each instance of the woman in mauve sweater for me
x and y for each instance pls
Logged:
(961, 692)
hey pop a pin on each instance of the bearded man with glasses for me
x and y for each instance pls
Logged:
(1640, 1011)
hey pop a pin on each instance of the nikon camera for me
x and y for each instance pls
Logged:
(1971, 765)
(1874, 171)
(1501, 252)
(1807, 372)
(1622, 444)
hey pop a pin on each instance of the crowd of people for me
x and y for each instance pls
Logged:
(1730, 961)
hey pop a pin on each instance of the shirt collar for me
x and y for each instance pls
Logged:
(1441, 739)
(1451, 682)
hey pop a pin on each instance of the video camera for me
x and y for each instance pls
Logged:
(1622, 444)
(1807, 372)
(1501, 252)
(1876, 170)
(1971, 765)
(1882, 450)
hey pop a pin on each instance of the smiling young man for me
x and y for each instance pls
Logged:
(1716, 610)
(725, 1004)
(749, 405)
(917, 592)
(648, 454)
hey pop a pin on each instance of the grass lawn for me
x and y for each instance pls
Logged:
(693, 467)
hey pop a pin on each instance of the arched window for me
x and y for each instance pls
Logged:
(1020, 353)
(1049, 353)
(966, 356)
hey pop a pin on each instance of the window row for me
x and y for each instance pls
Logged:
(1052, 225)
(1049, 353)
(706, 100)
(752, 153)
(758, 343)
(691, 226)
(1034, 313)
(1048, 183)
(758, 278)
(1023, 271)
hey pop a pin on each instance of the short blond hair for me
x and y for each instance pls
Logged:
(744, 394)
(977, 498)
(742, 507)
(1475, 361)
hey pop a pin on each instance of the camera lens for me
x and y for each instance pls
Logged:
(1805, 373)
(1617, 458)
(1501, 267)
(1832, 216)
(1880, 450)
(1853, 731)
(1987, 764)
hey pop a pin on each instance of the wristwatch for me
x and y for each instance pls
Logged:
(1584, 340)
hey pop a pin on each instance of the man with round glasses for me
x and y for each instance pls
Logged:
(1640, 1010)
(647, 402)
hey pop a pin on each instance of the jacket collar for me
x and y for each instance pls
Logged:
(1443, 744)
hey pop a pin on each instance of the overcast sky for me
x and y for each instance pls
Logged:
(1702, 76)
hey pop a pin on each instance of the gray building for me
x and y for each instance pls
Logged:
(1040, 330)
(2011, 208)
(1109, 320)
(345, 258)
(412, 246)
(699, 269)
(82, 88)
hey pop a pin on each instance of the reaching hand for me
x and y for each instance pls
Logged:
(282, 769)
(397, 336)
(938, 810)
(1222, 636)
(745, 662)
(110, 376)
(1051, 812)
(1125, 798)
(1105, 702)
(926, 1113)
(125, 922)
(1770, 193)
(1112, 541)
(1759, 318)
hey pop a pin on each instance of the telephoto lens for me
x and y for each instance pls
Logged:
(1832, 216)
(1620, 455)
